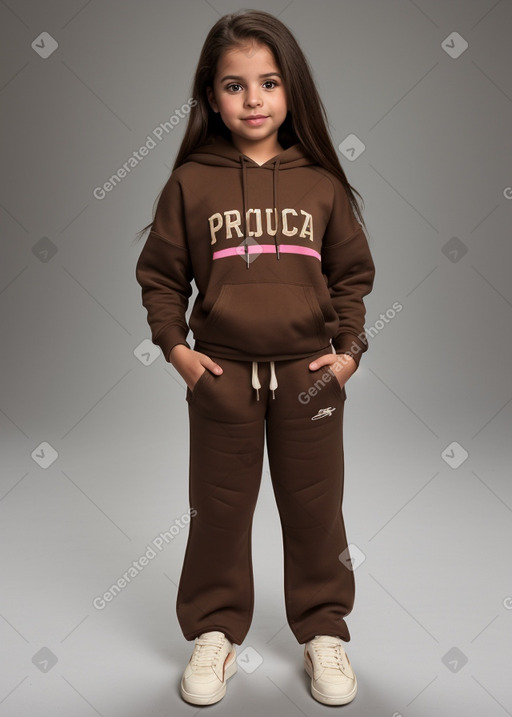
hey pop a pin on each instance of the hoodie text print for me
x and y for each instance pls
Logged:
(231, 220)
(279, 259)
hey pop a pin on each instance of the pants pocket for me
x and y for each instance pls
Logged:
(191, 394)
(340, 390)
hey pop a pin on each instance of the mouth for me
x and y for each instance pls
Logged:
(255, 120)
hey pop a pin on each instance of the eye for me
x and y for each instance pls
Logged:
(270, 82)
(230, 87)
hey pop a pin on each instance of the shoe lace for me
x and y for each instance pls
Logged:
(329, 654)
(205, 652)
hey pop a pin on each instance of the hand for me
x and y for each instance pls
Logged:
(342, 365)
(190, 364)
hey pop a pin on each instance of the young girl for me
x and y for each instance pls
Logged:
(259, 213)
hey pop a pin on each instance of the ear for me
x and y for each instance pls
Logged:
(211, 99)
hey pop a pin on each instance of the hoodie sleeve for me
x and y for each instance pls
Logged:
(348, 265)
(164, 271)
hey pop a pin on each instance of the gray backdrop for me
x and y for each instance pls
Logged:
(93, 420)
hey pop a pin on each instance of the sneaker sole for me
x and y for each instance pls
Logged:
(229, 671)
(329, 699)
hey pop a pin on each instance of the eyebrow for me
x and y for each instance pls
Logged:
(237, 77)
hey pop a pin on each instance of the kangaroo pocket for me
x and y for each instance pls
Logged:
(266, 318)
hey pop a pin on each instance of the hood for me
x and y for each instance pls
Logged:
(219, 152)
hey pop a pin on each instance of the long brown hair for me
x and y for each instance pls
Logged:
(306, 121)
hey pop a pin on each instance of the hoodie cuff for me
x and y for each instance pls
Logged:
(351, 345)
(169, 339)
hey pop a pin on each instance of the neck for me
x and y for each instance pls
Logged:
(259, 151)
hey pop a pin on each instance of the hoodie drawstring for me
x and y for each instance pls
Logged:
(256, 381)
(275, 177)
(244, 197)
(275, 194)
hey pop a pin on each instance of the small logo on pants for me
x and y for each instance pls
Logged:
(323, 413)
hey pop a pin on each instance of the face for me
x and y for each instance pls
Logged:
(249, 93)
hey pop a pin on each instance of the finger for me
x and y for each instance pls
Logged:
(324, 360)
(211, 365)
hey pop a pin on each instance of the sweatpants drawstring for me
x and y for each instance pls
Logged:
(273, 379)
(256, 381)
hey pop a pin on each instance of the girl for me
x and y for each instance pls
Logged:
(259, 213)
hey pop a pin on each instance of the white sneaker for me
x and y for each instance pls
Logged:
(333, 681)
(212, 662)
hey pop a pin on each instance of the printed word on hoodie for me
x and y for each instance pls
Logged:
(292, 223)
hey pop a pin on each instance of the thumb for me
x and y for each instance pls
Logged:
(212, 365)
(325, 360)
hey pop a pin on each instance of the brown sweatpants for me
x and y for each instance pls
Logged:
(302, 421)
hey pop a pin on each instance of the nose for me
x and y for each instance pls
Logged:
(253, 97)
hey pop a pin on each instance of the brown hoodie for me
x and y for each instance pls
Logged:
(280, 262)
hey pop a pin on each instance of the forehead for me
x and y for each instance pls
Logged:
(251, 58)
